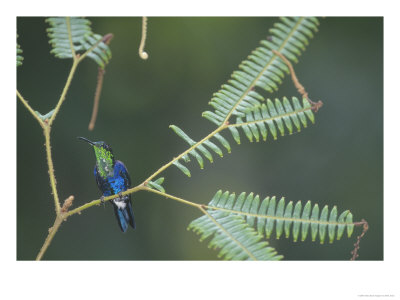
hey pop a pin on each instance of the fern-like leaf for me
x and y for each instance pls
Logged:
(69, 36)
(270, 215)
(201, 151)
(19, 57)
(261, 69)
(235, 239)
(272, 117)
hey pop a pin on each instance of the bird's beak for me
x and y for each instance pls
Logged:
(86, 140)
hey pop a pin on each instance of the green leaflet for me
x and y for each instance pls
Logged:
(268, 215)
(182, 168)
(73, 34)
(157, 184)
(235, 239)
(46, 116)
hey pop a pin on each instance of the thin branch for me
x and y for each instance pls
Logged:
(46, 131)
(53, 182)
(25, 103)
(172, 197)
(71, 44)
(64, 92)
(142, 53)
(64, 214)
(52, 232)
(46, 125)
(127, 192)
(363, 223)
(98, 201)
(99, 85)
(100, 76)
(300, 88)
(297, 84)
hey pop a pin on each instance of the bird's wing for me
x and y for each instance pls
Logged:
(123, 172)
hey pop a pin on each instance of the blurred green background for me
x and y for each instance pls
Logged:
(337, 161)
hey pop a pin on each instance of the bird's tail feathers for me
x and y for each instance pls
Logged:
(125, 216)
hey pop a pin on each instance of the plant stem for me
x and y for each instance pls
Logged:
(52, 232)
(98, 201)
(172, 197)
(53, 182)
(135, 189)
(46, 131)
(65, 90)
(99, 85)
(354, 253)
(71, 44)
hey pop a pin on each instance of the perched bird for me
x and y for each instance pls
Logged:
(112, 178)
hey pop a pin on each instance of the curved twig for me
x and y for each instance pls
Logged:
(100, 76)
(300, 88)
(354, 253)
(142, 53)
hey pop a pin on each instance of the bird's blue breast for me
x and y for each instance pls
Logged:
(119, 182)
(117, 185)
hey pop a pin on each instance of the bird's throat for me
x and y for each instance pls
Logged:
(105, 162)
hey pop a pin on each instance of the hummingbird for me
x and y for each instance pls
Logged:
(112, 178)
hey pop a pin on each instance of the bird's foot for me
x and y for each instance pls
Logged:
(102, 200)
(120, 195)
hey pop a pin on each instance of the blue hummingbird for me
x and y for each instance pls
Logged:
(112, 178)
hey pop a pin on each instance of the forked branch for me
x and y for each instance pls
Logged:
(61, 212)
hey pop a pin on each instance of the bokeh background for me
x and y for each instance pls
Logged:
(337, 161)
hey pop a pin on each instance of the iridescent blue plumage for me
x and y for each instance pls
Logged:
(112, 178)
